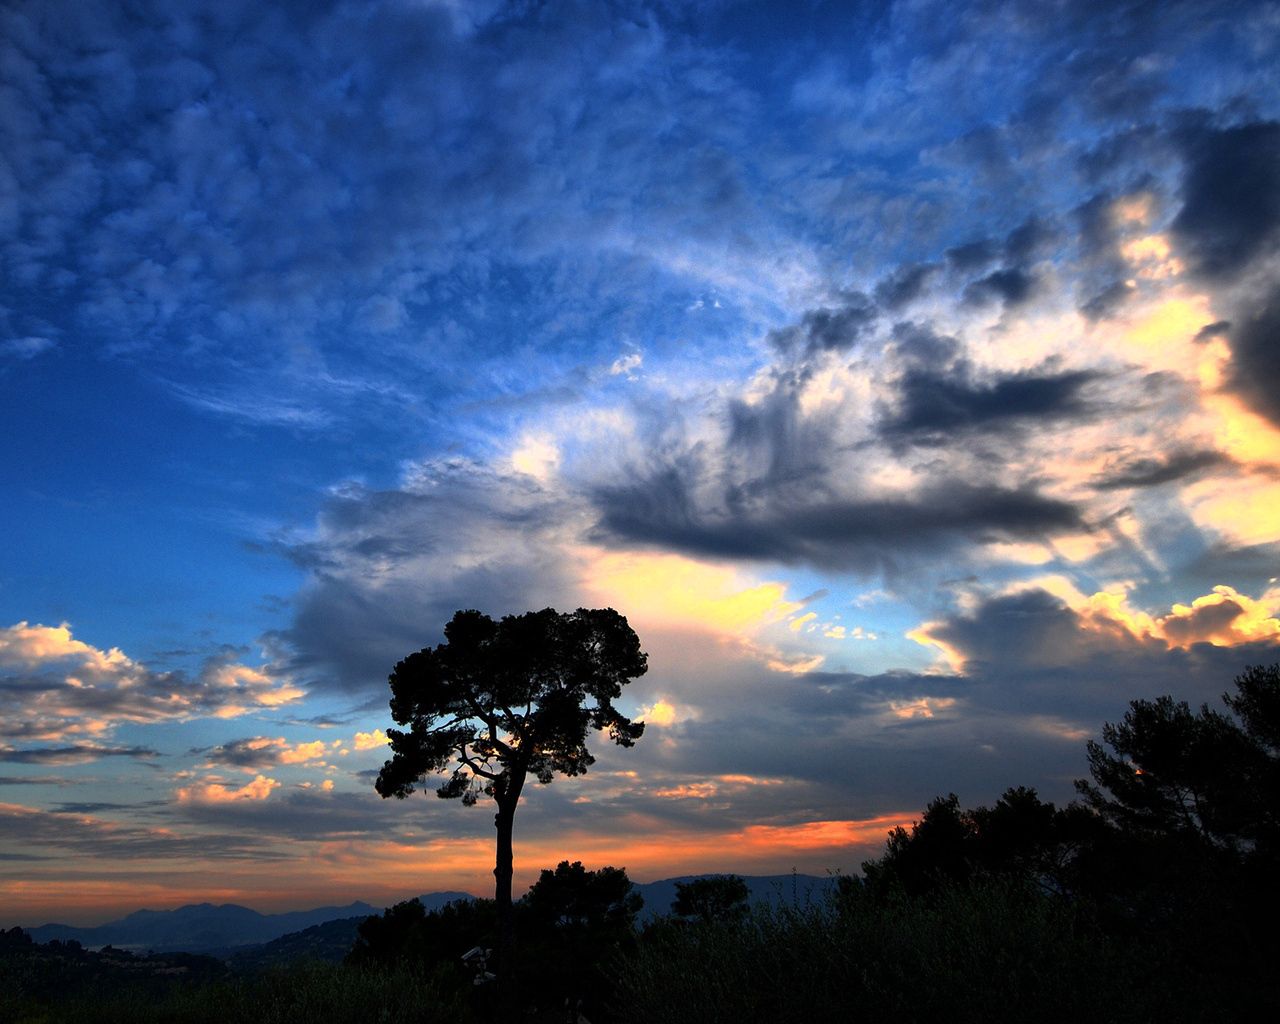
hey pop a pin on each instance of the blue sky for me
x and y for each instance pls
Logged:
(906, 373)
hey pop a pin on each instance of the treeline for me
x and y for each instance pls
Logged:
(1150, 898)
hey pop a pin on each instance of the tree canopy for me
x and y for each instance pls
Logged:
(1202, 777)
(501, 700)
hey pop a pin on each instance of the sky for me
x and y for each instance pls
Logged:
(906, 374)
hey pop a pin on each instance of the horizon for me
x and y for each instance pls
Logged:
(104, 917)
(905, 373)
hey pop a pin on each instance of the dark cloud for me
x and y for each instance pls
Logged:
(1029, 241)
(316, 815)
(919, 345)
(81, 753)
(1230, 197)
(863, 535)
(253, 753)
(905, 284)
(1030, 652)
(90, 839)
(830, 329)
(941, 404)
(972, 255)
(1151, 472)
(778, 447)
(1255, 351)
(1217, 329)
(1010, 285)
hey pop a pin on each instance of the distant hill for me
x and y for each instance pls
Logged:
(329, 942)
(210, 928)
(771, 890)
(229, 930)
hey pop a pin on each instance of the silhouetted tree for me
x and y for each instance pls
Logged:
(409, 935)
(500, 701)
(719, 898)
(1020, 838)
(572, 898)
(1203, 778)
(573, 924)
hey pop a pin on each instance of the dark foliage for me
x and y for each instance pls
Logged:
(500, 701)
(572, 899)
(721, 898)
(1021, 837)
(573, 926)
(407, 936)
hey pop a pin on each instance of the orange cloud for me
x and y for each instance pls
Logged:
(371, 740)
(300, 753)
(220, 793)
(1224, 617)
(662, 713)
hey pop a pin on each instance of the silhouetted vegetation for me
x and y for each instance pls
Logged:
(720, 898)
(500, 701)
(1150, 899)
(61, 983)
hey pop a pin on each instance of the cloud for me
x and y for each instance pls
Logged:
(80, 753)
(1051, 625)
(1230, 196)
(948, 401)
(1010, 285)
(89, 837)
(484, 538)
(859, 534)
(26, 348)
(253, 754)
(661, 714)
(219, 792)
(375, 739)
(1256, 373)
(53, 686)
(828, 329)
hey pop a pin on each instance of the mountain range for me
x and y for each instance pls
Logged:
(221, 928)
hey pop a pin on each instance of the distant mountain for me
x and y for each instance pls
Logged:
(206, 927)
(224, 929)
(771, 890)
(329, 942)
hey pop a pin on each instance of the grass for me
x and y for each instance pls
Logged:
(991, 954)
(305, 992)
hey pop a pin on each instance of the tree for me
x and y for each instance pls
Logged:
(1020, 838)
(573, 924)
(1198, 778)
(498, 702)
(602, 903)
(719, 898)
(1190, 801)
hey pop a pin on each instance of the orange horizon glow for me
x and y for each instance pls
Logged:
(340, 872)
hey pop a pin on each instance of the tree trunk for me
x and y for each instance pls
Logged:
(502, 872)
(508, 797)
